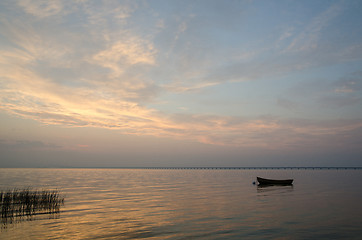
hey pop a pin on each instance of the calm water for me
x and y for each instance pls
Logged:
(191, 204)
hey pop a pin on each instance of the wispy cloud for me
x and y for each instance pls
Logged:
(26, 144)
(320, 97)
(83, 110)
(104, 70)
(181, 87)
(124, 53)
(41, 8)
(308, 39)
(269, 132)
(287, 103)
(349, 84)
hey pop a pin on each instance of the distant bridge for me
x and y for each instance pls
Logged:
(255, 168)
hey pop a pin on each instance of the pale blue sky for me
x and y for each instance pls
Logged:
(179, 83)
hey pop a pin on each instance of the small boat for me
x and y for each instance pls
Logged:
(265, 181)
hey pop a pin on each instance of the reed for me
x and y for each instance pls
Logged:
(27, 202)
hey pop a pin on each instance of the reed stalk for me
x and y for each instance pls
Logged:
(26, 202)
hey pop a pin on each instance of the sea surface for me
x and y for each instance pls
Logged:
(191, 204)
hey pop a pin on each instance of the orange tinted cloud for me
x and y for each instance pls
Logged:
(103, 73)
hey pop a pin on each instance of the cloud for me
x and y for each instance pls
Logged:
(100, 13)
(181, 87)
(124, 53)
(50, 103)
(308, 39)
(26, 144)
(349, 84)
(128, 118)
(286, 34)
(103, 72)
(327, 94)
(41, 8)
(52, 80)
(287, 104)
(339, 101)
(269, 132)
(350, 53)
(30, 45)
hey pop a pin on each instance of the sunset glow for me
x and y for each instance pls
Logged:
(153, 82)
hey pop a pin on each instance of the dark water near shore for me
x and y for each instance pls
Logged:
(191, 204)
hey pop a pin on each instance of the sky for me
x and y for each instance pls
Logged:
(190, 83)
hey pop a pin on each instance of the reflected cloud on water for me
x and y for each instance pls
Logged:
(192, 204)
(5, 222)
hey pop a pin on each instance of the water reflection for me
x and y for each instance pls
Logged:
(261, 188)
(5, 222)
(189, 204)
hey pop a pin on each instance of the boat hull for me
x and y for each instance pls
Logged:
(265, 181)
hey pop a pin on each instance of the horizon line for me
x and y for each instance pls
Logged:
(210, 168)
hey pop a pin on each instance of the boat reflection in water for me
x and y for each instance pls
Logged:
(274, 190)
